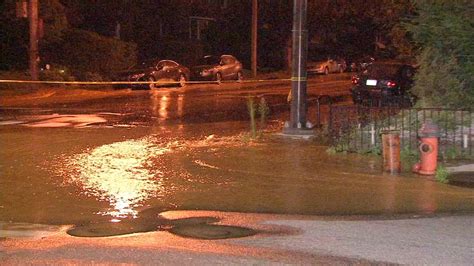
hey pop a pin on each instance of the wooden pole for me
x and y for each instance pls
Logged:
(33, 48)
(254, 36)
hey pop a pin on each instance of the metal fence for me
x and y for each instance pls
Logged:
(358, 128)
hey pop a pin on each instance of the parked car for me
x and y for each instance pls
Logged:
(166, 71)
(325, 66)
(360, 64)
(384, 84)
(225, 67)
(342, 64)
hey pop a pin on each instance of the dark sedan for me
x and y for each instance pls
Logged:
(226, 67)
(384, 84)
(157, 72)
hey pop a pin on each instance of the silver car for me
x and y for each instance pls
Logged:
(225, 67)
(324, 67)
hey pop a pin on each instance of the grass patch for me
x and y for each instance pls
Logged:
(442, 174)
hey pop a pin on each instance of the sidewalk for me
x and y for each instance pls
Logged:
(462, 175)
(445, 240)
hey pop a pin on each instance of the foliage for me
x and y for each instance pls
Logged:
(15, 75)
(57, 73)
(252, 109)
(55, 22)
(402, 42)
(449, 154)
(85, 51)
(442, 174)
(13, 44)
(351, 28)
(230, 34)
(159, 28)
(14, 39)
(263, 110)
(444, 30)
(408, 157)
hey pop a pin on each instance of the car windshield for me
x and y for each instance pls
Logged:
(383, 70)
(225, 60)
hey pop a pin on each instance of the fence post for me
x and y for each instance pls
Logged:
(318, 109)
(330, 122)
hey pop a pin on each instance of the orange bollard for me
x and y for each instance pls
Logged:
(391, 152)
(428, 134)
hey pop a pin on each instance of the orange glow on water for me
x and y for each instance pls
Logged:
(160, 104)
(164, 104)
(121, 174)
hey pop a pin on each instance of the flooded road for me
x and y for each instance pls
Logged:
(121, 160)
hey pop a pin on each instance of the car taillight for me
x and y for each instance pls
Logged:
(391, 84)
(355, 80)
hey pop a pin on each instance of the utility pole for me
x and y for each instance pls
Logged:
(254, 36)
(33, 49)
(298, 124)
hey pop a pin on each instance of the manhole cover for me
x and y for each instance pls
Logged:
(208, 231)
(110, 229)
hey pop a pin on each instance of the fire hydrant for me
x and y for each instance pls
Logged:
(428, 135)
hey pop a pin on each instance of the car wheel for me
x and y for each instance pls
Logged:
(356, 98)
(240, 77)
(218, 78)
(151, 86)
(326, 71)
(182, 80)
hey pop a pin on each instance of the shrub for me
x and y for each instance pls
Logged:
(444, 31)
(14, 75)
(442, 174)
(56, 73)
(13, 44)
(88, 52)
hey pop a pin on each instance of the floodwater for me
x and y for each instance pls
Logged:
(108, 173)
(71, 176)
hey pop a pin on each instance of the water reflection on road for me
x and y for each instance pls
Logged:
(118, 173)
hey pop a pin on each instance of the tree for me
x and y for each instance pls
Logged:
(53, 14)
(444, 29)
(13, 38)
(14, 32)
(89, 54)
(231, 33)
(352, 28)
